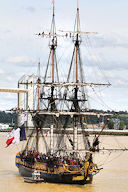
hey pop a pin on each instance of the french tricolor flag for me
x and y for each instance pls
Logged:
(15, 136)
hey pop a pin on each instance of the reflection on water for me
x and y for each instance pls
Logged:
(113, 178)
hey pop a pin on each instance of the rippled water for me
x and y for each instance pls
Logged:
(113, 178)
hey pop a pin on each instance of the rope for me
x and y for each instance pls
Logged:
(112, 159)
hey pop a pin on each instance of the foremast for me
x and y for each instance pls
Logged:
(53, 46)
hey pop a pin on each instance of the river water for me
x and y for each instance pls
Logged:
(113, 177)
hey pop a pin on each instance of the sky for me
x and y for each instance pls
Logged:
(104, 55)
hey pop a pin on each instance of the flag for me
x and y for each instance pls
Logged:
(13, 137)
(53, 1)
(22, 133)
(16, 136)
(9, 141)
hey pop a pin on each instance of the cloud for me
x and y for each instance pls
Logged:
(118, 78)
(30, 9)
(106, 40)
(106, 58)
(8, 101)
(18, 59)
(93, 58)
(2, 71)
(9, 78)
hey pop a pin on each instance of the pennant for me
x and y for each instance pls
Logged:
(53, 1)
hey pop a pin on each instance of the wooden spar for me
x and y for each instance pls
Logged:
(53, 56)
(75, 128)
(13, 90)
(77, 16)
(53, 74)
(96, 142)
(38, 81)
(37, 139)
(75, 139)
(53, 19)
(53, 46)
(57, 114)
(51, 138)
(77, 43)
(103, 128)
(38, 107)
(75, 32)
(69, 84)
(76, 64)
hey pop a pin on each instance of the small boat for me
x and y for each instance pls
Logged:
(34, 179)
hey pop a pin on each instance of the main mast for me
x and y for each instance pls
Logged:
(54, 43)
(77, 42)
(76, 104)
(53, 48)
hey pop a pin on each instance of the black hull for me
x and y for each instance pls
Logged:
(53, 178)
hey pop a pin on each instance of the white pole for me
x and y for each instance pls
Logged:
(75, 138)
(51, 139)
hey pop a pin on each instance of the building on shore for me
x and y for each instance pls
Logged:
(4, 126)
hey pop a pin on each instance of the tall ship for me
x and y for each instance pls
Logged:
(66, 152)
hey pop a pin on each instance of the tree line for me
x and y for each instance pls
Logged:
(8, 118)
(121, 117)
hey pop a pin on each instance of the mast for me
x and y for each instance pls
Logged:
(53, 42)
(38, 87)
(76, 105)
(38, 106)
(53, 48)
(77, 42)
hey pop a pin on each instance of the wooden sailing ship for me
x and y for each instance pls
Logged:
(61, 109)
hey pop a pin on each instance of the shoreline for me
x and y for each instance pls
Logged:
(109, 132)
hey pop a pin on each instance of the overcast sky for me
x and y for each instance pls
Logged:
(104, 54)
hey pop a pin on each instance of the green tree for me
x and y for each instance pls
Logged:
(126, 126)
(121, 125)
(110, 124)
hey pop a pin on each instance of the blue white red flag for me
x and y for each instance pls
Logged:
(13, 137)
